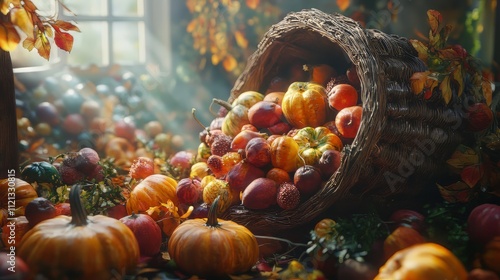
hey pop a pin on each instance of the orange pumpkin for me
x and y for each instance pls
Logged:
(14, 230)
(213, 247)
(152, 192)
(427, 261)
(490, 258)
(313, 141)
(24, 193)
(80, 247)
(305, 104)
(284, 153)
(402, 237)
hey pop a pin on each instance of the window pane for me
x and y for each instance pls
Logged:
(86, 8)
(90, 45)
(128, 42)
(127, 8)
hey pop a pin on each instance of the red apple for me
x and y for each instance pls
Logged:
(258, 152)
(74, 124)
(241, 139)
(242, 174)
(342, 96)
(407, 217)
(38, 210)
(147, 232)
(189, 191)
(63, 208)
(264, 114)
(348, 121)
(182, 159)
(125, 129)
(307, 179)
(328, 163)
(260, 194)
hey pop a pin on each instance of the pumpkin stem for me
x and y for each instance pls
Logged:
(212, 214)
(193, 112)
(78, 214)
(222, 103)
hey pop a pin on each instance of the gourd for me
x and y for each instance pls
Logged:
(428, 261)
(213, 247)
(80, 247)
(284, 153)
(313, 141)
(24, 193)
(305, 104)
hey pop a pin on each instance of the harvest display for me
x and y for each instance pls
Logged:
(381, 148)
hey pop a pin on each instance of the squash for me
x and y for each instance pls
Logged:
(428, 261)
(80, 247)
(402, 237)
(44, 174)
(213, 247)
(235, 119)
(248, 98)
(24, 193)
(305, 104)
(152, 192)
(490, 257)
(219, 188)
(313, 141)
(284, 153)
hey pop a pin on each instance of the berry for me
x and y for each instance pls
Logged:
(288, 196)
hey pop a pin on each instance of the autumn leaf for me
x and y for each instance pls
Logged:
(42, 44)
(252, 4)
(445, 89)
(343, 4)
(463, 156)
(430, 84)
(456, 192)
(434, 19)
(229, 63)
(29, 44)
(421, 49)
(417, 81)
(487, 91)
(458, 77)
(9, 38)
(472, 174)
(63, 40)
(241, 40)
(22, 19)
(65, 25)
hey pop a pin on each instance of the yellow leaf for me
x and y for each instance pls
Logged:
(417, 81)
(487, 91)
(421, 49)
(343, 4)
(29, 44)
(42, 44)
(215, 59)
(22, 19)
(5, 7)
(229, 63)
(191, 26)
(48, 32)
(9, 38)
(458, 77)
(241, 40)
(445, 88)
(430, 84)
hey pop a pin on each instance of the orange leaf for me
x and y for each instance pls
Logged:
(240, 39)
(472, 174)
(463, 156)
(446, 89)
(9, 38)
(229, 63)
(22, 19)
(64, 41)
(417, 81)
(191, 25)
(430, 84)
(448, 53)
(64, 25)
(487, 91)
(456, 192)
(215, 59)
(434, 19)
(252, 4)
(29, 44)
(343, 4)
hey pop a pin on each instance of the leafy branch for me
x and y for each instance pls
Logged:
(37, 28)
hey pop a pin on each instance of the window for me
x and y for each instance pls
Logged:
(125, 32)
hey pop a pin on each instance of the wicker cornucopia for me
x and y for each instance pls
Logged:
(403, 141)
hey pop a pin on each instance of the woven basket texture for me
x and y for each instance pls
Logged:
(403, 141)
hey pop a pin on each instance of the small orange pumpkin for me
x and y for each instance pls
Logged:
(152, 192)
(402, 237)
(284, 153)
(24, 193)
(428, 261)
(220, 247)
(490, 258)
(305, 104)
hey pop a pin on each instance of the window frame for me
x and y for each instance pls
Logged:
(156, 32)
